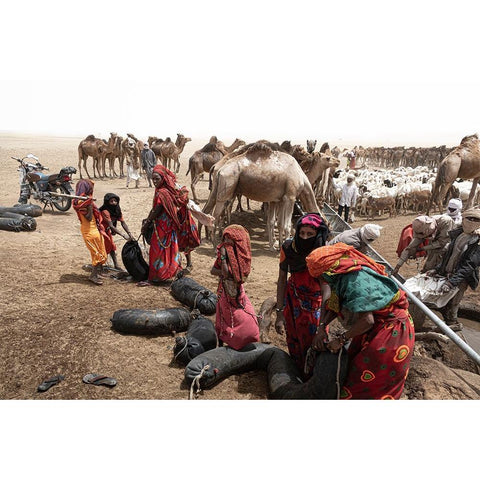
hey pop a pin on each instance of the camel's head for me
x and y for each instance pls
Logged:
(328, 159)
(311, 144)
(324, 148)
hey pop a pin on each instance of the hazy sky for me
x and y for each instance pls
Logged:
(352, 71)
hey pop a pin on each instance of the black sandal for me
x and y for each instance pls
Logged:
(44, 386)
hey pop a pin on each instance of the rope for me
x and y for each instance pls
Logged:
(308, 358)
(196, 382)
(338, 373)
(204, 293)
(186, 345)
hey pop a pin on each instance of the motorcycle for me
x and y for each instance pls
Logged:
(51, 190)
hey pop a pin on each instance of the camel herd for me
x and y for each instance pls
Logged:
(280, 174)
(127, 150)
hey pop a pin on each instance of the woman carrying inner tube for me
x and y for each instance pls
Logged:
(299, 298)
(236, 323)
(382, 336)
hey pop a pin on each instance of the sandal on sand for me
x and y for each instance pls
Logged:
(44, 386)
(95, 379)
(144, 283)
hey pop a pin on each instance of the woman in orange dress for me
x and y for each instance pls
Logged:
(91, 228)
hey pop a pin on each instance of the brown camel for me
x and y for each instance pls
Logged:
(113, 151)
(462, 162)
(265, 175)
(91, 147)
(320, 173)
(169, 151)
(154, 143)
(203, 160)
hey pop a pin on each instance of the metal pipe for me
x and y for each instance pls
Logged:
(441, 324)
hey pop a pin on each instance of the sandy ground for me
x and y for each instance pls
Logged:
(54, 321)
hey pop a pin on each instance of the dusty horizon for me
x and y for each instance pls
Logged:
(200, 138)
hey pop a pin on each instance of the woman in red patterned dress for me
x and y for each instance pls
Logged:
(299, 298)
(382, 336)
(174, 230)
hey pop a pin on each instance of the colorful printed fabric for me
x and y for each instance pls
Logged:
(164, 258)
(303, 299)
(378, 360)
(239, 253)
(372, 291)
(236, 322)
(188, 237)
(174, 201)
(168, 195)
(339, 258)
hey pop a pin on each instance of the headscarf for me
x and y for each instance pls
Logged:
(424, 226)
(168, 195)
(84, 188)
(471, 226)
(338, 259)
(457, 205)
(369, 232)
(305, 246)
(239, 254)
(114, 210)
(294, 251)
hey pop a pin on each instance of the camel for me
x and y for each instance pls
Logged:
(203, 160)
(113, 151)
(463, 162)
(91, 147)
(320, 174)
(265, 175)
(169, 151)
(311, 144)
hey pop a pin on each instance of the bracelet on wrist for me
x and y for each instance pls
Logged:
(342, 338)
(279, 309)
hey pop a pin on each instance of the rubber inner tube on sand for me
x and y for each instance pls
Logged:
(187, 291)
(151, 322)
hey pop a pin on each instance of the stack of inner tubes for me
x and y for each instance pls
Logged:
(19, 219)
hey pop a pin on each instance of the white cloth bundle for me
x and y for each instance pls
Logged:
(427, 289)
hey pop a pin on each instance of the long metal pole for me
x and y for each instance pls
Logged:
(440, 324)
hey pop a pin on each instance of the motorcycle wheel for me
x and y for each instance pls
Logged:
(61, 203)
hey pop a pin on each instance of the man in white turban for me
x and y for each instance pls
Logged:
(454, 210)
(359, 237)
(435, 229)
